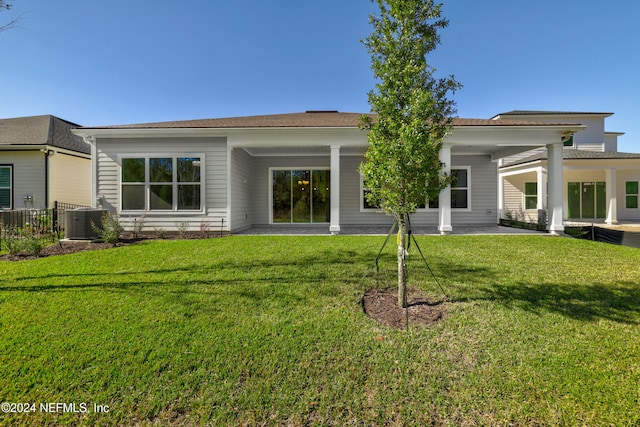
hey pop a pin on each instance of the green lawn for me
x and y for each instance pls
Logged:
(258, 330)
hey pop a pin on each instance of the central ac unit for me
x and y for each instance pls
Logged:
(81, 224)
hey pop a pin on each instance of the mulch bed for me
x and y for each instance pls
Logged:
(72, 246)
(62, 248)
(382, 305)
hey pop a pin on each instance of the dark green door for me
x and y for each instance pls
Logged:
(588, 200)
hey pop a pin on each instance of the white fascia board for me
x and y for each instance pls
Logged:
(25, 147)
(57, 150)
(509, 136)
(41, 147)
(602, 164)
(244, 137)
(147, 133)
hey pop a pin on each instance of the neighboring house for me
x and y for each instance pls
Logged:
(599, 183)
(298, 169)
(41, 162)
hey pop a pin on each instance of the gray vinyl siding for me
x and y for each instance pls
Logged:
(350, 196)
(484, 191)
(514, 186)
(513, 191)
(214, 180)
(242, 183)
(28, 177)
(482, 183)
(592, 138)
(589, 138)
(610, 142)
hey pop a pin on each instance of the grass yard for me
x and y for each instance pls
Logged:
(258, 330)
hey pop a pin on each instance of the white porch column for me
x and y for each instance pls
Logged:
(556, 183)
(542, 189)
(612, 198)
(541, 203)
(444, 201)
(334, 228)
(500, 196)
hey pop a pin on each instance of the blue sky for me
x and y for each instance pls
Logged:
(122, 61)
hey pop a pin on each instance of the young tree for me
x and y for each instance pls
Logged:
(5, 6)
(402, 168)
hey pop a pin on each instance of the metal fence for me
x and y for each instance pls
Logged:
(46, 225)
(606, 235)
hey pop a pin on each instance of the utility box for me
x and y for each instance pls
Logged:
(81, 224)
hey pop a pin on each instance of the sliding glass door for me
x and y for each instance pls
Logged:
(300, 196)
(587, 200)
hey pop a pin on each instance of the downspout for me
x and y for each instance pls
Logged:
(89, 139)
(48, 152)
(46, 177)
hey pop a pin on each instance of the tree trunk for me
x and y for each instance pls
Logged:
(402, 267)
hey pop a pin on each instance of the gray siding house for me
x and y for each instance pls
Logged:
(41, 162)
(297, 169)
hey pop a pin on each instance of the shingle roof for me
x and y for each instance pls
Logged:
(41, 130)
(309, 119)
(549, 113)
(573, 154)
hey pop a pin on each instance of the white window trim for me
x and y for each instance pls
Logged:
(468, 188)
(289, 168)
(362, 207)
(174, 156)
(10, 167)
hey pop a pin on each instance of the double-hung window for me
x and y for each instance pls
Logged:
(530, 195)
(632, 193)
(161, 183)
(6, 187)
(460, 189)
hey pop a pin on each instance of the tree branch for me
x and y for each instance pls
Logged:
(7, 6)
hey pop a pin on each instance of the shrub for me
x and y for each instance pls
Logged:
(204, 228)
(161, 233)
(23, 240)
(110, 229)
(182, 228)
(13, 242)
(32, 244)
(138, 225)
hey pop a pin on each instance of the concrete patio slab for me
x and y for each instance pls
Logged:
(323, 229)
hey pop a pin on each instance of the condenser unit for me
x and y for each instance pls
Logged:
(84, 223)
